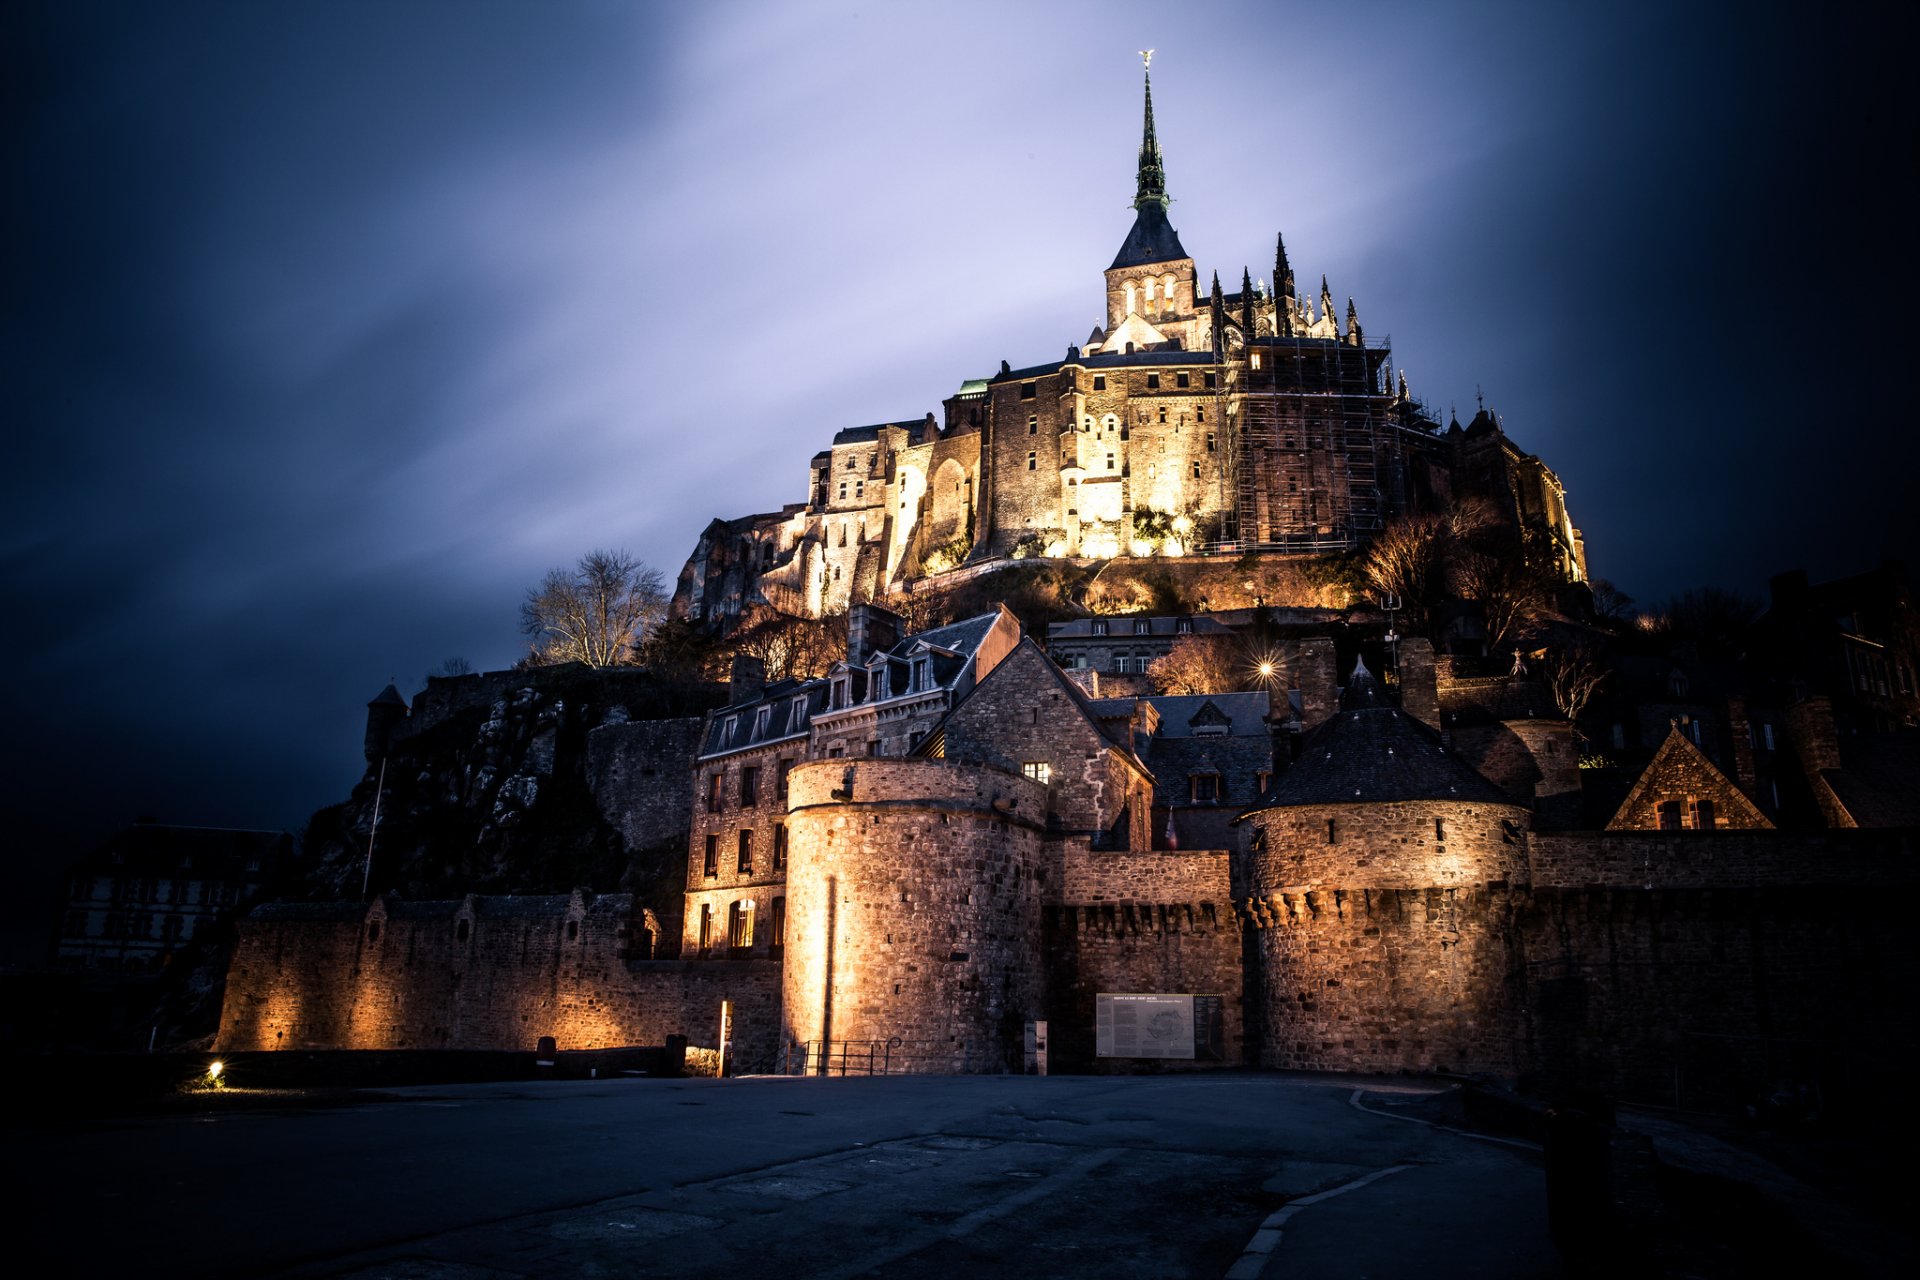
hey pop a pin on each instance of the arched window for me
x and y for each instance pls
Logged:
(1150, 285)
(1130, 299)
(1169, 291)
(462, 931)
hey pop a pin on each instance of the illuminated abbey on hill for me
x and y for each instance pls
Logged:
(1190, 421)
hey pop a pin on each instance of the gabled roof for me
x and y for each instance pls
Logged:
(1110, 730)
(1676, 758)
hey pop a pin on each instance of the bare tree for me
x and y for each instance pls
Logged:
(1202, 664)
(1609, 601)
(1405, 560)
(599, 612)
(793, 648)
(1573, 675)
(1508, 590)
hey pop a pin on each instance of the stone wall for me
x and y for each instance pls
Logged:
(1889, 859)
(1383, 980)
(639, 774)
(1715, 998)
(483, 973)
(1410, 845)
(1097, 876)
(1177, 948)
(914, 893)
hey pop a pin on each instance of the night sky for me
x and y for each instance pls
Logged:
(330, 327)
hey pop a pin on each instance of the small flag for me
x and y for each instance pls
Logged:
(1173, 841)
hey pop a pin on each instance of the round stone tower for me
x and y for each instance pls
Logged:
(1379, 875)
(913, 912)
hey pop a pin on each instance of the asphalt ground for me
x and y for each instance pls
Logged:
(1236, 1175)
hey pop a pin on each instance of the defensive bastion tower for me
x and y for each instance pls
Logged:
(1379, 866)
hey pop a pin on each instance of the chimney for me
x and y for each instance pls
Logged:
(1815, 738)
(1419, 685)
(870, 630)
(1742, 749)
(748, 679)
(1317, 679)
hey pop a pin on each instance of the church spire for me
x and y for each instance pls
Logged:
(1246, 304)
(1152, 185)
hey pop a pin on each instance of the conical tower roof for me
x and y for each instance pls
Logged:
(1371, 752)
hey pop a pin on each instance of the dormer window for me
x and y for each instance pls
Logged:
(1677, 684)
(1184, 626)
(1099, 626)
(1141, 626)
(762, 722)
(1205, 788)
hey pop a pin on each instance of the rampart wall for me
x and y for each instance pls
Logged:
(484, 973)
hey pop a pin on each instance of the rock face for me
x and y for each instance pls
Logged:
(519, 782)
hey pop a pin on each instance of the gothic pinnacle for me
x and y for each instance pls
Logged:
(1353, 324)
(1246, 302)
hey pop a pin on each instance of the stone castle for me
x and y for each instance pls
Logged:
(1190, 421)
(951, 837)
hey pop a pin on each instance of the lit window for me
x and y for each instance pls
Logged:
(1039, 770)
(706, 925)
(740, 925)
(1033, 460)
(1256, 359)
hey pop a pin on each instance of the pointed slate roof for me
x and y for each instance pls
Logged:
(1152, 239)
(1371, 752)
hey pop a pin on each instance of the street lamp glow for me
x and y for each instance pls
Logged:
(214, 1069)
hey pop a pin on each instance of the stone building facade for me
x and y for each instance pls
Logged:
(1191, 420)
(136, 901)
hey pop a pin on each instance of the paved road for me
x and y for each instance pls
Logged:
(1067, 1176)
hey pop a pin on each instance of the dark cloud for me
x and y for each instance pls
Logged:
(331, 326)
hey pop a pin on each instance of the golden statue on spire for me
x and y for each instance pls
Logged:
(1146, 59)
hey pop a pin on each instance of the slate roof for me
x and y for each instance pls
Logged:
(1246, 713)
(1122, 626)
(1370, 752)
(860, 435)
(1879, 778)
(1150, 239)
